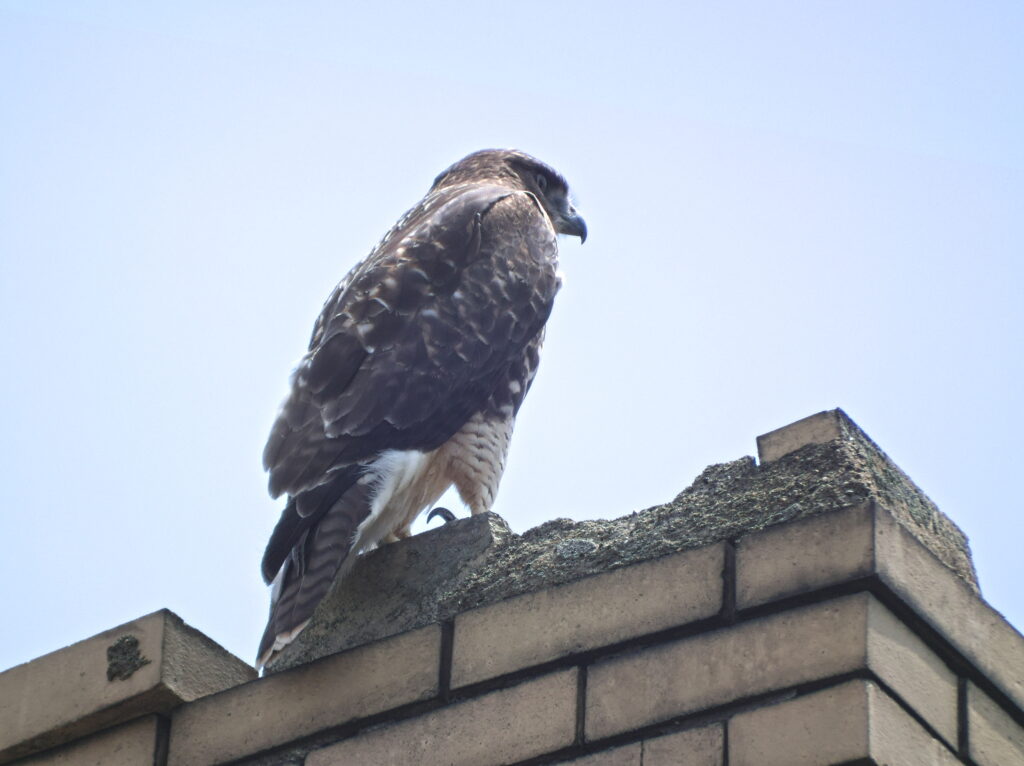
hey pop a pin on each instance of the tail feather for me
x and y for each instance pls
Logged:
(301, 514)
(315, 561)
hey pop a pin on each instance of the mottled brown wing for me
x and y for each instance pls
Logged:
(411, 344)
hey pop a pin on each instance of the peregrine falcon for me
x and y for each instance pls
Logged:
(415, 372)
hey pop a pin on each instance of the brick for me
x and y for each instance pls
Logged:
(836, 547)
(334, 690)
(524, 721)
(805, 555)
(130, 744)
(896, 738)
(844, 723)
(913, 671)
(709, 669)
(159, 662)
(951, 607)
(814, 429)
(846, 634)
(994, 739)
(627, 755)
(599, 610)
(693, 747)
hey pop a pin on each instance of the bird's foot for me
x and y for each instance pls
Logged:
(444, 513)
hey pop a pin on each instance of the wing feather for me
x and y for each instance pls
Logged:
(412, 343)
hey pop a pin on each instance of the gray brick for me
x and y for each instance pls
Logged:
(994, 739)
(502, 727)
(843, 635)
(627, 755)
(68, 694)
(704, 746)
(805, 555)
(130, 744)
(852, 721)
(951, 607)
(913, 671)
(279, 708)
(693, 747)
(836, 547)
(713, 668)
(599, 610)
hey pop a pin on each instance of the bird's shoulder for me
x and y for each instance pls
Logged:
(425, 252)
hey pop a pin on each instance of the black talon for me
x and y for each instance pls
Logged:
(444, 513)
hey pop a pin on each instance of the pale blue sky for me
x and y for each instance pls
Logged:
(793, 206)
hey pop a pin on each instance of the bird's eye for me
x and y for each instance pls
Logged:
(542, 182)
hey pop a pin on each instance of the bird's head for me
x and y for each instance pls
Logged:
(518, 169)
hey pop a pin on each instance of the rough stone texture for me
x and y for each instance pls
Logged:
(149, 665)
(994, 739)
(502, 727)
(395, 588)
(478, 561)
(595, 611)
(725, 501)
(195, 666)
(694, 747)
(130, 744)
(841, 724)
(882, 480)
(274, 710)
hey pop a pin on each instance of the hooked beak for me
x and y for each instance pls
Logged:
(572, 223)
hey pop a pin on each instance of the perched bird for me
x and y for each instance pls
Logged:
(416, 369)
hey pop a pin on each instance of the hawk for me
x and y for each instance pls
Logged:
(417, 367)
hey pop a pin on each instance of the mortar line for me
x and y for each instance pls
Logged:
(444, 678)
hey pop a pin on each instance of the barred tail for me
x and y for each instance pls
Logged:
(321, 553)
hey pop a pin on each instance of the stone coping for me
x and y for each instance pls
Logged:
(148, 665)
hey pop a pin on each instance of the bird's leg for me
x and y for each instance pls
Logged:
(444, 513)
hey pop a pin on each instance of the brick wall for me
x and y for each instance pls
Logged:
(843, 636)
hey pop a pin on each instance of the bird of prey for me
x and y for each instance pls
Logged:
(416, 369)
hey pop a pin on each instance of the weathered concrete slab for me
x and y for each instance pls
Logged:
(725, 502)
(819, 464)
(396, 588)
(820, 428)
(149, 665)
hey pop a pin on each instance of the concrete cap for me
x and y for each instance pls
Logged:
(149, 665)
(814, 429)
(395, 588)
(818, 464)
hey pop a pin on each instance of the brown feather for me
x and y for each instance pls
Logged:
(441, 323)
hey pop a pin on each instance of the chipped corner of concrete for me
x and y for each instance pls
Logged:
(822, 463)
